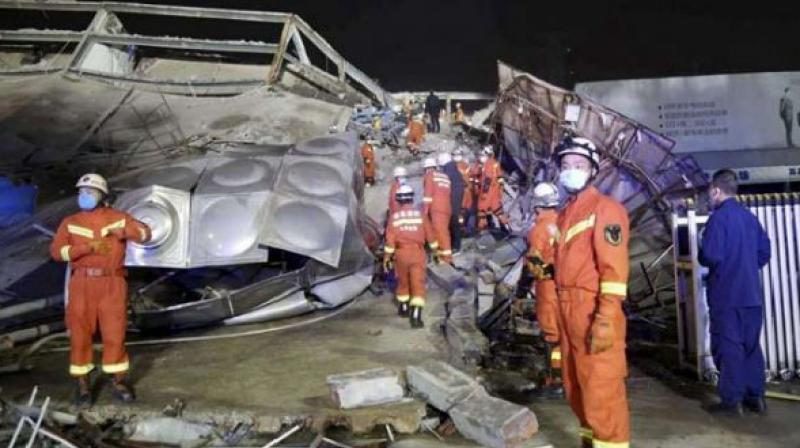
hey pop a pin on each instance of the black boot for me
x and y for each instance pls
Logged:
(757, 405)
(416, 317)
(83, 392)
(402, 309)
(121, 390)
(725, 410)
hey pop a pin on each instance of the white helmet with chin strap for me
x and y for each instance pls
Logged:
(429, 162)
(545, 195)
(92, 180)
(578, 146)
(400, 171)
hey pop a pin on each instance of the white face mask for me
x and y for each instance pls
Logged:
(573, 180)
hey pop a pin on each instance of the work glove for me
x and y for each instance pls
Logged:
(435, 257)
(387, 264)
(100, 247)
(602, 334)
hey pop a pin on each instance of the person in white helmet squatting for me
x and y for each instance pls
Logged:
(93, 241)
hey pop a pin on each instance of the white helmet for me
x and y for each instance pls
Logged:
(488, 150)
(429, 163)
(404, 194)
(443, 158)
(580, 146)
(400, 171)
(93, 180)
(458, 155)
(545, 195)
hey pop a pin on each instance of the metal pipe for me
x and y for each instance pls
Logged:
(27, 307)
(28, 334)
(283, 437)
(782, 395)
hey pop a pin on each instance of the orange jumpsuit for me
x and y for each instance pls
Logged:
(416, 134)
(591, 274)
(98, 292)
(436, 200)
(459, 116)
(490, 195)
(368, 154)
(463, 168)
(406, 234)
(541, 254)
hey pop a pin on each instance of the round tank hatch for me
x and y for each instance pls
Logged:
(322, 146)
(159, 217)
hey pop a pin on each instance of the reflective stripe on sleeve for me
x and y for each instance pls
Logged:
(65, 252)
(614, 288)
(584, 225)
(80, 231)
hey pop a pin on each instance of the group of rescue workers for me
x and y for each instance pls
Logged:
(577, 259)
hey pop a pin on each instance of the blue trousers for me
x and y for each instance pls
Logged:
(737, 353)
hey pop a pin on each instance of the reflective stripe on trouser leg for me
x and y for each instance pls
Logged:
(81, 319)
(112, 315)
(418, 279)
(601, 376)
(600, 444)
(404, 298)
(569, 375)
(403, 278)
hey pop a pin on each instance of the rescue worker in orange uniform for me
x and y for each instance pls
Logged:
(463, 168)
(400, 175)
(93, 241)
(458, 115)
(591, 273)
(437, 206)
(406, 235)
(475, 169)
(368, 155)
(490, 196)
(416, 134)
(541, 256)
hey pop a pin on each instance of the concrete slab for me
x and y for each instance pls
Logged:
(466, 342)
(365, 388)
(446, 276)
(493, 422)
(441, 385)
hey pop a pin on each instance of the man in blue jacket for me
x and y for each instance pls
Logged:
(735, 247)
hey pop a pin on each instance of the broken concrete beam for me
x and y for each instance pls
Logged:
(508, 251)
(493, 422)
(168, 430)
(467, 343)
(447, 277)
(485, 304)
(365, 388)
(461, 304)
(485, 287)
(442, 385)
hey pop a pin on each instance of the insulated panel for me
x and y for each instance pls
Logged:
(317, 177)
(166, 212)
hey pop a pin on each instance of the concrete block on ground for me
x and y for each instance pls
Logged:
(493, 422)
(446, 276)
(442, 385)
(467, 343)
(461, 304)
(365, 388)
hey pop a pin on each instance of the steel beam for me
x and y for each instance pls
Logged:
(40, 36)
(153, 10)
(184, 43)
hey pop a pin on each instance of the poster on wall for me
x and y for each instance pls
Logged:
(711, 113)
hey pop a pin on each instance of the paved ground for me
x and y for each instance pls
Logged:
(283, 373)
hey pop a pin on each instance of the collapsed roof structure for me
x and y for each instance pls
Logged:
(638, 168)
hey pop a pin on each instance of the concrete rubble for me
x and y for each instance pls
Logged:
(493, 422)
(365, 388)
(169, 430)
(485, 419)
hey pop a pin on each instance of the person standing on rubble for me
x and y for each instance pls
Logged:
(475, 173)
(450, 169)
(368, 155)
(408, 231)
(735, 247)
(786, 112)
(466, 202)
(416, 135)
(591, 276)
(93, 241)
(433, 107)
(540, 264)
(436, 206)
(490, 197)
(458, 115)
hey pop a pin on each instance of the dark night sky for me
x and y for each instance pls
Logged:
(412, 44)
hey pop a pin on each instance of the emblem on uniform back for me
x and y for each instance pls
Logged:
(613, 234)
